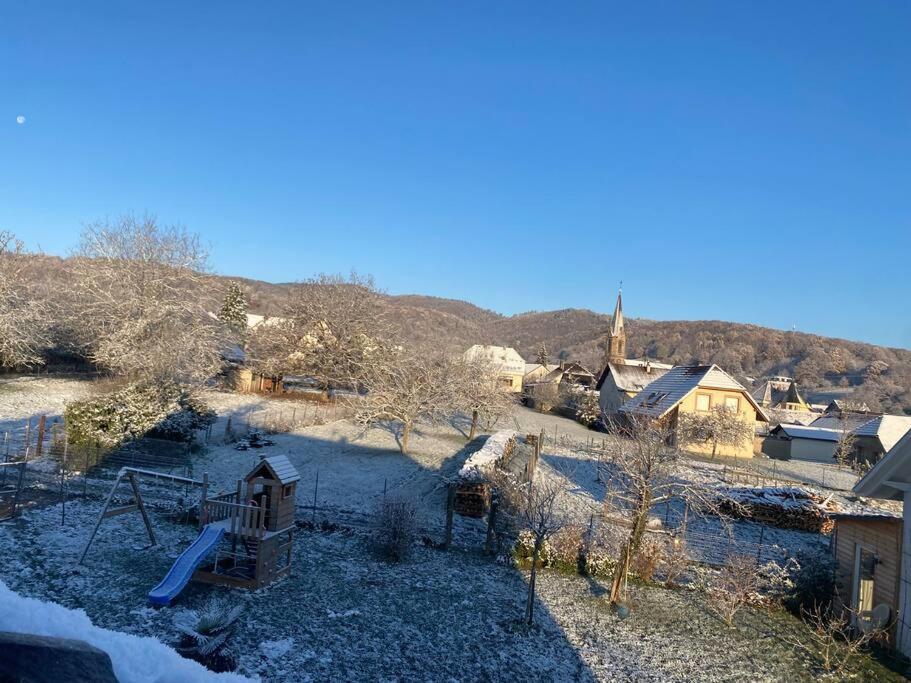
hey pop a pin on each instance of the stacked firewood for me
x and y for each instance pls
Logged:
(783, 507)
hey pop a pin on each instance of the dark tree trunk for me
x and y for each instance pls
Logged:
(474, 425)
(630, 548)
(530, 604)
(403, 443)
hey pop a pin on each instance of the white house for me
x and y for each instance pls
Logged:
(509, 364)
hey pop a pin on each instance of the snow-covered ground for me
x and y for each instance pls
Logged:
(22, 397)
(345, 615)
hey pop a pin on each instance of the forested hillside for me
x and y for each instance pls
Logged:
(878, 375)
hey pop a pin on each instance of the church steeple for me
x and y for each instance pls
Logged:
(615, 351)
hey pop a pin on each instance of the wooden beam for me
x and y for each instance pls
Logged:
(899, 485)
(113, 512)
(142, 508)
(100, 517)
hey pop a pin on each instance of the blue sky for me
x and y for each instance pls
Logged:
(726, 160)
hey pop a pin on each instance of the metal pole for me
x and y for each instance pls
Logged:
(315, 489)
(63, 488)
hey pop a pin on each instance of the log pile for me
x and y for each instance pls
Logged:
(788, 507)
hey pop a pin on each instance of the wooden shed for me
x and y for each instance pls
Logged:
(867, 550)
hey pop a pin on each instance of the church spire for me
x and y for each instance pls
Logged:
(615, 348)
(616, 324)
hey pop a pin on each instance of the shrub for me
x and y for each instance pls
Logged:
(206, 633)
(674, 561)
(395, 527)
(165, 410)
(814, 583)
(645, 561)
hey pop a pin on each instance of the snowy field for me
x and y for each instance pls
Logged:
(345, 615)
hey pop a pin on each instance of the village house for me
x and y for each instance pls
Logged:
(535, 372)
(509, 365)
(697, 389)
(780, 393)
(873, 551)
(570, 374)
(876, 437)
(622, 379)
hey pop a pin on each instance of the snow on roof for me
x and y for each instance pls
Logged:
(795, 431)
(135, 659)
(659, 397)
(636, 377)
(481, 460)
(845, 421)
(632, 363)
(506, 357)
(281, 467)
(868, 509)
(531, 367)
(889, 429)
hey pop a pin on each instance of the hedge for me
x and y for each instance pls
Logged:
(161, 409)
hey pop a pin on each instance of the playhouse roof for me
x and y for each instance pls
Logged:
(279, 467)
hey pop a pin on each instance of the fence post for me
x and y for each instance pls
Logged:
(491, 525)
(315, 491)
(5, 455)
(761, 539)
(450, 507)
(202, 498)
(63, 488)
(85, 471)
(42, 423)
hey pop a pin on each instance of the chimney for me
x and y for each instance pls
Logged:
(648, 366)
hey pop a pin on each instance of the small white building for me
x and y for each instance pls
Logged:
(816, 444)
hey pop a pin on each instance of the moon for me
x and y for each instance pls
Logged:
(20, 119)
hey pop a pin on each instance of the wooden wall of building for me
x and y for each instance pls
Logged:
(883, 538)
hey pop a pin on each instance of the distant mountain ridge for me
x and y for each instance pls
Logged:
(879, 375)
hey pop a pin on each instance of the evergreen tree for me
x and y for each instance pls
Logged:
(543, 358)
(234, 309)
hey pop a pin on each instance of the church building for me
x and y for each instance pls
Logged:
(622, 379)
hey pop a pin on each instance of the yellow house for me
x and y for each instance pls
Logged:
(695, 389)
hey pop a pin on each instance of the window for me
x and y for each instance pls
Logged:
(732, 403)
(703, 402)
(287, 491)
(864, 567)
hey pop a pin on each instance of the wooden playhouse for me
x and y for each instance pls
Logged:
(258, 524)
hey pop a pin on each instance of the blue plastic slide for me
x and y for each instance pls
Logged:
(184, 566)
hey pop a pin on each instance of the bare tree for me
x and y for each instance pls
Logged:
(642, 470)
(719, 427)
(844, 447)
(835, 637)
(24, 318)
(335, 330)
(137, 309)
(533, 507)
(412, 388)
(477, 392)
(395, 527)
(544, 396)
(735, 587)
